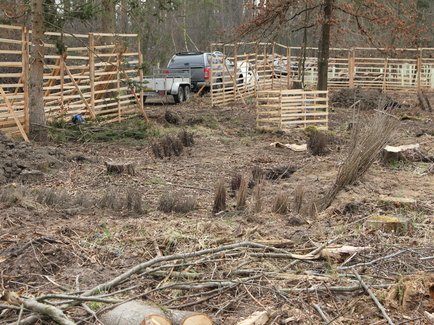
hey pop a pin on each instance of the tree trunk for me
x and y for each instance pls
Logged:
(108, 14)
(124, 16)
(324, 46)
(38, 130)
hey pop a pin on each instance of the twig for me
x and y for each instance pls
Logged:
(373, 297)
(321, 313)
(77, 298)
(373, 261)
(140, 267)
(335, 289)
(20, 314)
(251, 296)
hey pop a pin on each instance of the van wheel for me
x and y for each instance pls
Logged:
(187, 93)
(179, 98)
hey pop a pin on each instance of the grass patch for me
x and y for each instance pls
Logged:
(132, 129)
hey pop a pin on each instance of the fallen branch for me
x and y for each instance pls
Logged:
(321, 313)
(50, 311)
(374, 298)
(336, 289)
(373, 261)
(182, 256)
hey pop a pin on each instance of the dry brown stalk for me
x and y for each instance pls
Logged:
(257, 196)
(220, 197)
(258, 175)
(317, 143)
(175, 202)
(236, 182)
(281, 203)
(298, 198)
(242, 193)
(365, 146)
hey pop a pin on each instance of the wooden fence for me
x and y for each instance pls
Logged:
(286, 109)
(276, 66)
(89, 74)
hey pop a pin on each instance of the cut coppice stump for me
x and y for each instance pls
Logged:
(391, 224)
(142, 313)
(120, 168)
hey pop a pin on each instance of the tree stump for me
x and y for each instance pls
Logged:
(399, 153)
(395, 225)
(142, 313)
(120, 168)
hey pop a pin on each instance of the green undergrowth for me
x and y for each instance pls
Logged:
(129, 131)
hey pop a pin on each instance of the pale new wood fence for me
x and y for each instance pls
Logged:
(89, 74)
(276, 66)
(286, 109)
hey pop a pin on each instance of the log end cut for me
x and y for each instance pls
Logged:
(155, 320)
(198, 319)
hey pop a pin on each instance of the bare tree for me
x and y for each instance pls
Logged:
(324, 45)
(37, 118)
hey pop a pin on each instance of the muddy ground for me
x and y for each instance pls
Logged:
(71, 227)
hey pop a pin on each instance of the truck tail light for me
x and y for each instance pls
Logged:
(207, 72)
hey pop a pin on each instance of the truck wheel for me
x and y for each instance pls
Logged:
(219, 84)
(187, 93)
(180, 97)
(240, 79)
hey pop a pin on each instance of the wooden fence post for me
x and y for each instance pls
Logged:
(351, 67)
(62, 79)
(419, 69)
(118, 85)
(141, 104)
(272, 64)
(235, 80)
(25, 77)
(91, 52)
(386, 67)
(288, 68)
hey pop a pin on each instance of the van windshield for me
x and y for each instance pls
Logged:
(185, 61)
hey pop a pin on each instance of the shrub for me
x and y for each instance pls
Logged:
(242, 194)
(220, 197)
(175, 202)
(110, 200)
(134, 201)
(281, 203)
(186, 138)
(298, 198)
(317, 143)
(236, 182)
(167, 147)
(257, 174)
(53, 198)
(257, 196)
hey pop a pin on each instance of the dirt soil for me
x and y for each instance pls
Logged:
(73, 227)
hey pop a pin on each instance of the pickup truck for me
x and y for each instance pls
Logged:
(164, 82)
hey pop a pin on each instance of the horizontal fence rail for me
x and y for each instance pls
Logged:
(276, 66)
(90, 74)
(286, 109)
